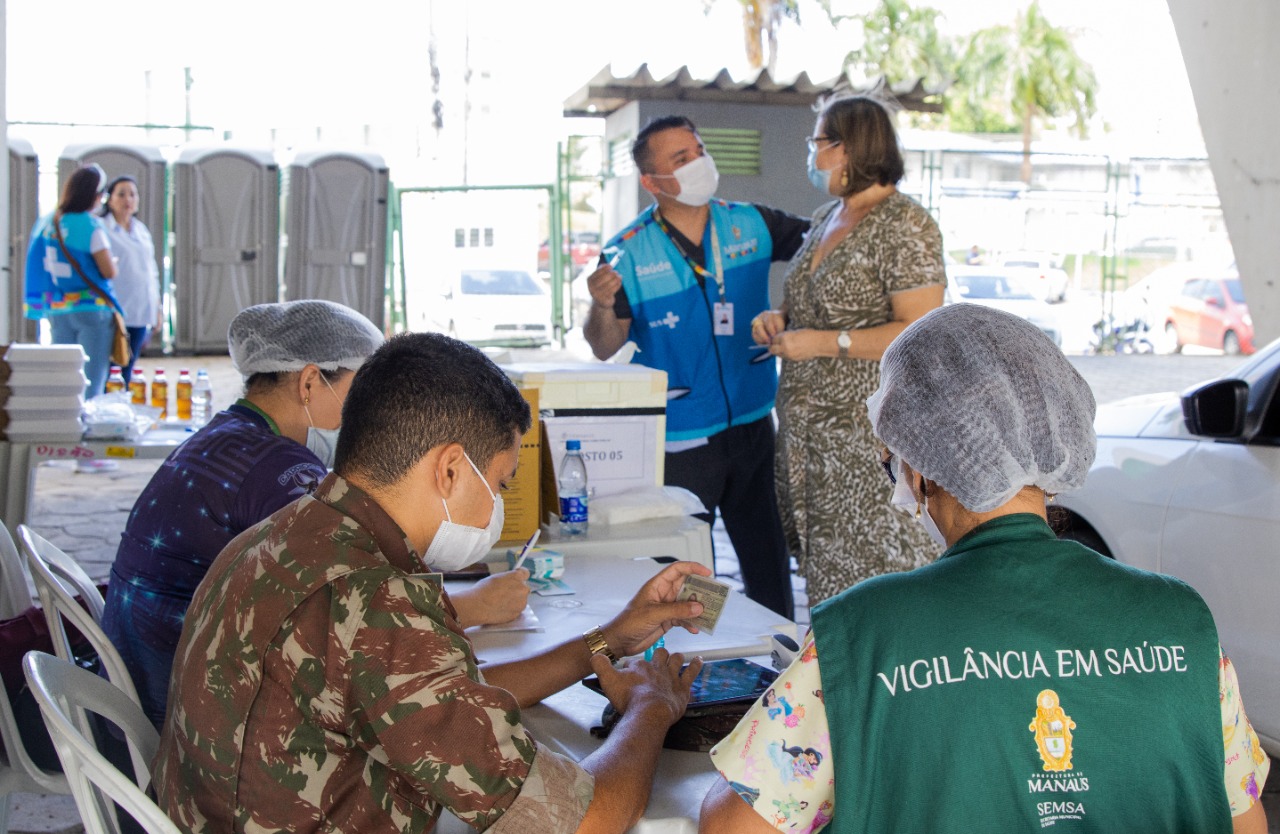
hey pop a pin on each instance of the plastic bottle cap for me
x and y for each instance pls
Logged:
(573, 445)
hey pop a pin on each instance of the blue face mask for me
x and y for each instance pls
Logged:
(821, 179)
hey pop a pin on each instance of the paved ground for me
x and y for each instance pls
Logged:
(84, 513)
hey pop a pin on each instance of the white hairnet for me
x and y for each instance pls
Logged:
(983, 403)
(271, 338)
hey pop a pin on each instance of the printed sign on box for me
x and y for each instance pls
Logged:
(622, 452)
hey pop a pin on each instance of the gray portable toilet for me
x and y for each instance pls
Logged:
(24, 210)
(226, 227)
(145, 164)
(336, 219)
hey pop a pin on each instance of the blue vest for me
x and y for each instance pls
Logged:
(712, 381)
(1018, 683)
(53, 286)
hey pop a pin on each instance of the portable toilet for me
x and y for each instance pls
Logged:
(226, 227)
(24, 210)
(336, 224)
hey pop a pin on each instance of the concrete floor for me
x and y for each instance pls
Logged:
(85, 513)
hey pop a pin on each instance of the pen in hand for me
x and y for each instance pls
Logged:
(524, 551)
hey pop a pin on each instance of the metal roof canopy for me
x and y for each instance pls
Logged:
(606, 92)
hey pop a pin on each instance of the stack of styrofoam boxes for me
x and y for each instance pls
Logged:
(619, 412)
(46, 392)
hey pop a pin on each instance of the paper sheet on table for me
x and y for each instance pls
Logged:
(527, 621)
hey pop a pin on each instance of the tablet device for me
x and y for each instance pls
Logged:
(721, 682)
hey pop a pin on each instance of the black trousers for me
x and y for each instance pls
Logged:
(733, 472)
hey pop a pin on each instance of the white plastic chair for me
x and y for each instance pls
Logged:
(15, 596)
(18, 773)
(65, 692)
(58, 579)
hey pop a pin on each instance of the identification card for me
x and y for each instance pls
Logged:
(711, 594)
(723, 313)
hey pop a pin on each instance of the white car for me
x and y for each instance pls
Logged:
(1002, 289)
(492, 306)
(1190, 486)
(1042, 273)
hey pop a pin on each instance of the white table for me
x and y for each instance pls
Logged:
(562, 723)
(18, 462)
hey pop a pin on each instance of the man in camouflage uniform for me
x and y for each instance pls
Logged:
(323, 682)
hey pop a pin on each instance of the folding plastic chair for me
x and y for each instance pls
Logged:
(65, 693)
(58, 579)
(18, 773)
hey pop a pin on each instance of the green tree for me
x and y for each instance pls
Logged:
(900, 42)
(761, 20)
(1011, 77)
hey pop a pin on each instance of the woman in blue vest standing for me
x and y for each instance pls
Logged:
(1019, 681)
(68, 248)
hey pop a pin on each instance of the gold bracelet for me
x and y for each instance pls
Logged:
(596, 644)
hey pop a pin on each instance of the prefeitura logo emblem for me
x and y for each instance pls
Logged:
(1052, 727)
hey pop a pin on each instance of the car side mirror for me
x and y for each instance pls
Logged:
(1213, 302)
(1216, 409)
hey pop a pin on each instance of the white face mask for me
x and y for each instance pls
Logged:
(323, 443)
(906, 501)
(698, 181)
(455, 546)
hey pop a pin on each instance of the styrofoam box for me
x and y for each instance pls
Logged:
(24, 406)
(45, 356)
(32, 431)
(47, 383)
(617, 411)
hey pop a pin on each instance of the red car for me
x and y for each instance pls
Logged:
(1210, 312)
(584, 248)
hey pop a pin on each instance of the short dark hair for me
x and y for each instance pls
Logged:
(865, 131)
(420, 391)
(640, 148)
(82, 189)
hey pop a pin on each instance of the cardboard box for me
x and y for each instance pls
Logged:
(523, 499)
(617, 411)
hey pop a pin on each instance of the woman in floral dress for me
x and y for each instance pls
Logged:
(872, 264)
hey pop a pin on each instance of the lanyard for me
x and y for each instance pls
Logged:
(698, 269)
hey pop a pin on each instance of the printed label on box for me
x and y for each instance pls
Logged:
(622, 452)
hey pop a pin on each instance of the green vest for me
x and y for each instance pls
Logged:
(1019, 683)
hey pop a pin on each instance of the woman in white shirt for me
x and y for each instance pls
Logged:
(137, 283)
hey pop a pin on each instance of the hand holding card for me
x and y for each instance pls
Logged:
(711, 593)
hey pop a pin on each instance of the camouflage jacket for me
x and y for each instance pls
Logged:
(323, 683)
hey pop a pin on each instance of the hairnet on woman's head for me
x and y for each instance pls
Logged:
(273, 338)
(983, 403)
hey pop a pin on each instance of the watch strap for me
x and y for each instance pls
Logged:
(596, 644)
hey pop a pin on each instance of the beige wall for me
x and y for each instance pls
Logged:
(1229, 52)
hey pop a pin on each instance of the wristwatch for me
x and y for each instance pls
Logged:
(596, 644)
(843, 341)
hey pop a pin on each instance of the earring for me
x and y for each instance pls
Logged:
(844, 179)
(918, 509)
(306, 400)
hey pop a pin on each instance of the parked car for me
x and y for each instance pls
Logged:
(1210, 312)
(1004, 289)
(1043, 273)
(1190, 486)
(494, 306)
(582, 248)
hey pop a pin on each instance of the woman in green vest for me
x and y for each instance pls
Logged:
(1017, 683)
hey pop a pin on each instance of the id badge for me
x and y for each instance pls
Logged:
(723, 314)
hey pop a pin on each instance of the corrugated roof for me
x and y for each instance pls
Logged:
(607, 92)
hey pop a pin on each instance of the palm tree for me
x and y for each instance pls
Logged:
(1029, 71)
(901, 42)
(760, 22)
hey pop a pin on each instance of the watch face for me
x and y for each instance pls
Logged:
(843, 340)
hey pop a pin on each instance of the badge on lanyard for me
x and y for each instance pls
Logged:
(723, 314)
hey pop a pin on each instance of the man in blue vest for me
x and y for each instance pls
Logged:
(682, 281)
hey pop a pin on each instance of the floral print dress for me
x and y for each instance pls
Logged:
(832, 492)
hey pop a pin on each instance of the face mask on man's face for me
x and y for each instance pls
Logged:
(698, 181)
(455, 546)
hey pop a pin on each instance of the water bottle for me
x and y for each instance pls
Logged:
(183, 395)
(573, 490)
(201, 399)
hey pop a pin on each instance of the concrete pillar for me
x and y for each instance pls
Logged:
(1229, 50)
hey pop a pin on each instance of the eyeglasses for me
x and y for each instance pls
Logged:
(812, 141)
(886, 460)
